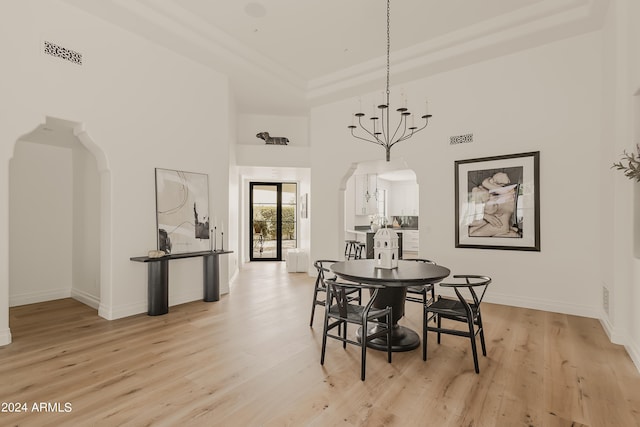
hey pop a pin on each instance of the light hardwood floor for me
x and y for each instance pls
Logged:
(252, 360)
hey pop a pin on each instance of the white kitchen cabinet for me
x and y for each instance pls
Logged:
(366, 203)
(410, 240)
(404, 199)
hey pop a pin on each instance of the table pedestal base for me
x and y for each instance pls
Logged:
(402, 339)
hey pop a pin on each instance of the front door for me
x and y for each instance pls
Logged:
(273, 212)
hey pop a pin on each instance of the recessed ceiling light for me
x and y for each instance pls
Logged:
(255, 10)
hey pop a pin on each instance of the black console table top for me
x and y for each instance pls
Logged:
(178, 256)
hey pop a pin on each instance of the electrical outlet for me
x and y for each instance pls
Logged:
(605, 299)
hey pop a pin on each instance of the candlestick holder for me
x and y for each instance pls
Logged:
(222, 241)
(215, 234)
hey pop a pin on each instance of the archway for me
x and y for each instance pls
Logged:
(393, 201)
(76, 218)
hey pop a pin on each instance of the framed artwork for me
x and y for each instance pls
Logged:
(182, 211)
(303, 206)
(497, 202)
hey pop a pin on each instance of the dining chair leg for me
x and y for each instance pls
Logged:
(389, 353)
(425, 321)
(363, 349)
(344, 334)
(313, 306)
(484, 347)
(324, 340)
(439, 326)
(474, 350)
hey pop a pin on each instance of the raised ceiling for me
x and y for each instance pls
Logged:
(283, 56)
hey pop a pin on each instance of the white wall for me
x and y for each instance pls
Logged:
(41, 214)
(547, 99)
(54, 219)
(86, 227)
(144, 106)
(621, 131)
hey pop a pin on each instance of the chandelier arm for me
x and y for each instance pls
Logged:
(426, 123)
(402, 119)
(372, 134)
(365, 139)
(414, 131)
(406, 137)
(385, 136)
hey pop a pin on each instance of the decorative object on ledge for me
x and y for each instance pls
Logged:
(273, 140)
(156, 254)
(385, 248)
(632, 168)
(182, 211)
(497, 202)
(382, 134)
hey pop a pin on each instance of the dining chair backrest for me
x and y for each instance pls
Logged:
(419, 293)
(338, 293)
(473, 284)
(322, 266)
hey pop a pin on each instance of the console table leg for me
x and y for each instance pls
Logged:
(158, 288)
(211, 275)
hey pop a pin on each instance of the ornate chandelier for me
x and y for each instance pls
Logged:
(380, 133)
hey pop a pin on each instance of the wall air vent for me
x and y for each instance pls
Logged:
(461, 139)
(62, 52)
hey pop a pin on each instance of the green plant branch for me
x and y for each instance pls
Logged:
(632, 168)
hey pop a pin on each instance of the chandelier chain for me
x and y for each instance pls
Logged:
(388, 46)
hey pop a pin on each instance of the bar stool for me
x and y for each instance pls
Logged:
(359, 249)
(350, 245)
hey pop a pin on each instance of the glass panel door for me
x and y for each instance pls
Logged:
(273, 211)
(289, 216)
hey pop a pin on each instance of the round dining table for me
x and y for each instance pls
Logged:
(395, 282)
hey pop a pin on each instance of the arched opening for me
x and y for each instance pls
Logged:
(59, 203)
(380, 194)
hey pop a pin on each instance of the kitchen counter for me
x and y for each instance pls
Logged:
(365, 234)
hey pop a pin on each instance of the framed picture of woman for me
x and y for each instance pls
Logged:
(497, 203)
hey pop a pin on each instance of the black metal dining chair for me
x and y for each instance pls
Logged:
(322, 265)
(339, 312)
(420, 293)
(466, 309)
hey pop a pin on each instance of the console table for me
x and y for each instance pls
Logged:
(158, 278)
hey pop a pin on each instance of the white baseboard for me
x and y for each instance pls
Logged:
(544, 305)
(125, 310)
(184, 298)
(5, 337)
(131, 309)
(40, 296)
(634, 353)
(85, 298)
